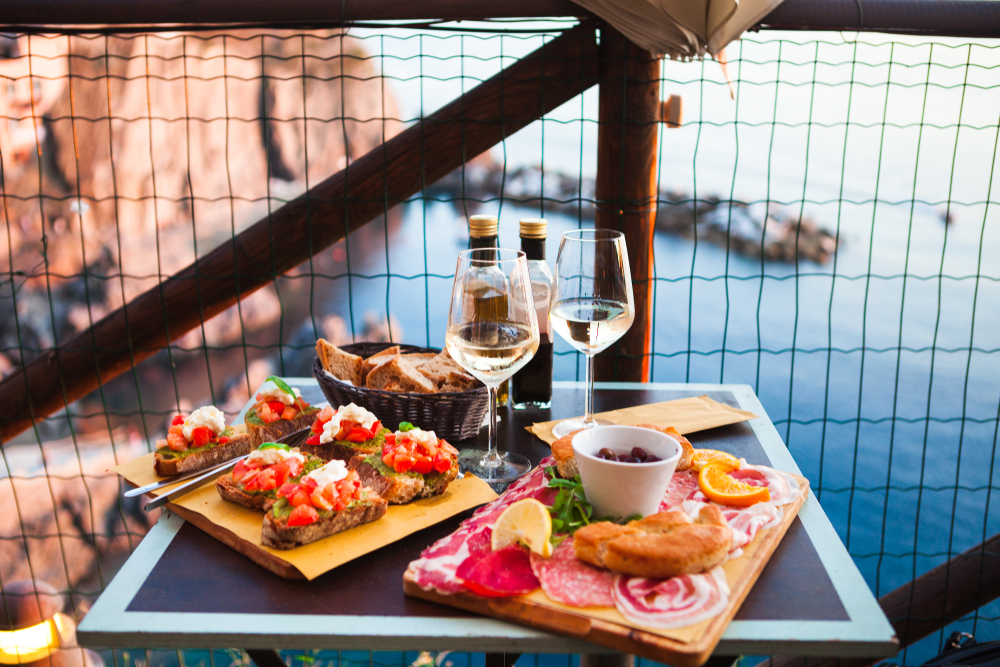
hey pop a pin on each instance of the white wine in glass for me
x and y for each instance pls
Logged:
(492, 333)
(592, 304)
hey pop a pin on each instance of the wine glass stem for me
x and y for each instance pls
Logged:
(493, 456)
(588, 405)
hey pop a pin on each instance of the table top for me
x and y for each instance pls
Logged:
(182, 588)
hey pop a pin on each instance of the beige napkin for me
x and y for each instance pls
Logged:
(687, 415)
(681, 29)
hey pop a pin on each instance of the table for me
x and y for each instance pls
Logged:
(181, 588)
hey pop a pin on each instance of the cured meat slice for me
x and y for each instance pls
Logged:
(671, 603)
(776, 482)
(435, 569)
(499, 573)
(567, 579)
(683, 485)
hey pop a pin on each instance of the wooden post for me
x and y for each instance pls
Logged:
(629, 115)
(388, 175)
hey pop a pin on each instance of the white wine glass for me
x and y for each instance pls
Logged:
(492, 333)
(591, 305)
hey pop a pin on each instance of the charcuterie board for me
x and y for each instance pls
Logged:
(689, 647)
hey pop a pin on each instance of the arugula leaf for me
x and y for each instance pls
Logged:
(570, 510)
(283, 386)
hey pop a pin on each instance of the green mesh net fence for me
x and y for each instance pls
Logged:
(825, 233)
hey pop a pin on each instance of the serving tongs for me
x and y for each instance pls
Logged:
(201, 477)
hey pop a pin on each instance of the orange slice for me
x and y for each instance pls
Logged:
(715, 482)
(703, 457)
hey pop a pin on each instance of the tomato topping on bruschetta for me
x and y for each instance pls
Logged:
(350, 424)
(203, 428)
(416, 450)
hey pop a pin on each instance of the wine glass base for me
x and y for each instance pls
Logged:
(564, 428)
(496, 471)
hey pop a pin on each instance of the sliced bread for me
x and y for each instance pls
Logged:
(342, 365)
(277, 534)
(399, 488)
(397, 374)
(376, 360)
(230, 490)
(238, 445)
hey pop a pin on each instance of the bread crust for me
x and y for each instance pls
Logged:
(230, 490)
(661, 545)
(328, 451)
(397, 374)
(278, 534)
(401, 489)
(238, 445)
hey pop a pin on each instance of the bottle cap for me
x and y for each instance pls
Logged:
(534, 228)
(483, 225)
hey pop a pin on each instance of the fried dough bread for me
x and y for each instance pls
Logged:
(662, 545)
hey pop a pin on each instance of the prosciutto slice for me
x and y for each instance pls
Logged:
(745, 522)
(777, 483)
(498, 573)
(671, 603)
(566, 579)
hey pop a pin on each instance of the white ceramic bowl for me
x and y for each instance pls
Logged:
(625, 489)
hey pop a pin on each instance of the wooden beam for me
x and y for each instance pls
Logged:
(388, 175)
(930, 602)
(628, 122)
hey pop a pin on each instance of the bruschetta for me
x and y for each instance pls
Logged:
(412, 464)
(198, 441)
(344, 433)
(255, 481)
(278, 411)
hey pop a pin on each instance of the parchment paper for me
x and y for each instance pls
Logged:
(687, 415)
(324, 555)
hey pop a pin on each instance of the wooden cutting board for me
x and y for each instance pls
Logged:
(619, 636)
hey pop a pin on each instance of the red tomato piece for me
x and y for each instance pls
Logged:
(309, 484)
(251, 482)
(313, 440)
(240, 471)
(276, 406)
(300, 497)
(423, 465)
(266, 479)
(289, 413)
(442, 463)
(376, 427)
(201, 436)
(267, 415)
(303, 515)
(281, 472)
(176, 442)
(358, 435)
(325, 415)
(390, 439)
(317, 426)
(177, 421)
(287, 490)
(403, 462)
(295, 467)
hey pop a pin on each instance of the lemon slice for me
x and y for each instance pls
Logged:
(702, 457)
(525, 522)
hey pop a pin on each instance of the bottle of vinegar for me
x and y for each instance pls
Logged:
(532, 385)
(484, 233)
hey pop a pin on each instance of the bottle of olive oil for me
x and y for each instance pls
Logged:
(531, 388)
(484, 233)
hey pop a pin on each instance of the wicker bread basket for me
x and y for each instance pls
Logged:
(452, 415)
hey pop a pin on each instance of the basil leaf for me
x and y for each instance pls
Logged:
(406, 426)
(273, 445)
(281, 384)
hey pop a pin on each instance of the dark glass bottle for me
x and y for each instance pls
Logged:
(484, 233)
(532, 385)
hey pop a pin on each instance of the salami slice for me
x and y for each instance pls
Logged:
(776, 482)
(671, 603)
(499, 573)
(567, 579)
(683, 485)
